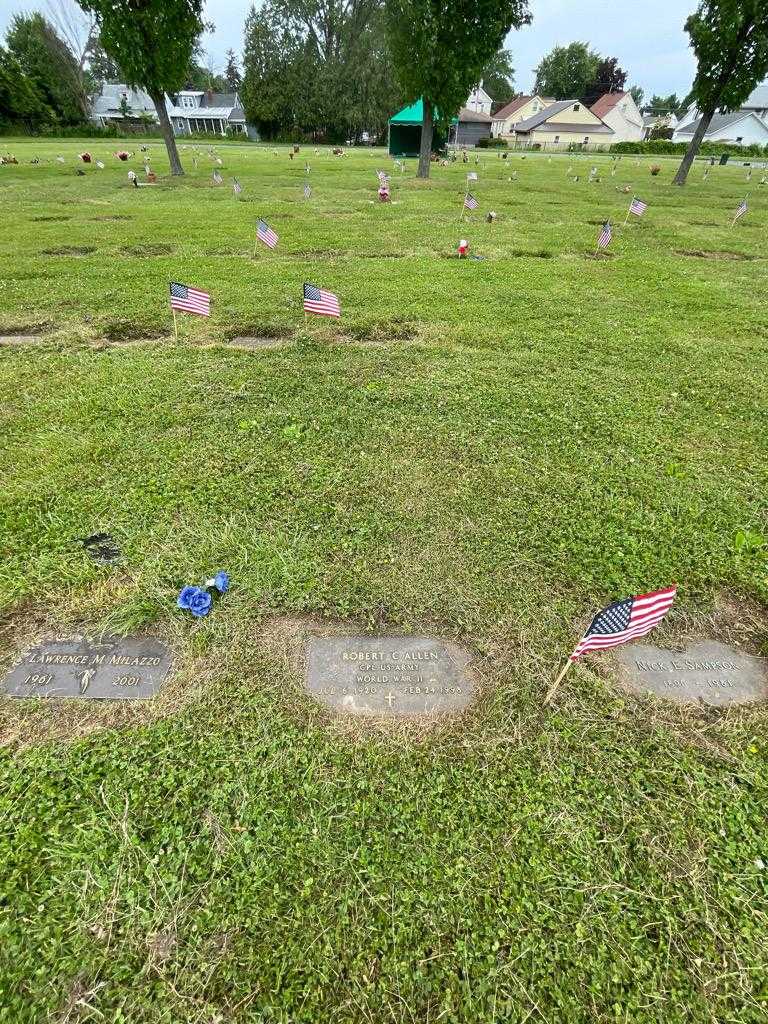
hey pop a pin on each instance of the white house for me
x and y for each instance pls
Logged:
(520, 109)
(743, 127)
(757, 102)
(209, 112)
(479, 102)
(619, 111)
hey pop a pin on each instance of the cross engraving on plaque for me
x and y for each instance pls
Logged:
(390, 698)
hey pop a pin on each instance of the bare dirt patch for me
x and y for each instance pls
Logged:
(253, 343)
(153, 249)
(70, 250)
(127, 331)
(111, 216)
(539, 254)
(43, 220)
(603, 255)
(714, 254)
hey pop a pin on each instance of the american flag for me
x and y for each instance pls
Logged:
(237, 188)
(190, 300)
(217, 178)
(307, 190)
(742, 209)
(638, 207)
(605, 236)
(265, 234)
(321, 302)
(625, 620)
(470, 203)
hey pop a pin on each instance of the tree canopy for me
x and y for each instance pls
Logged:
(440, 47)
(498, 78)
(608, 77)
(153, 43)
(318, 67)
(42, 58)
(730, 40)
(567, 71)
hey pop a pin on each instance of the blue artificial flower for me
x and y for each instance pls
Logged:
(196, 600)
(185, 596)
(221, 582)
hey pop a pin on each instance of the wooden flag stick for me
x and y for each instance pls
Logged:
(553, 688)
(463, 207)
(175, 325)
(629, 211)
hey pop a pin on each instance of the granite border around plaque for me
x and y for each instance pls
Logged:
(705, 672)
(90, 668)
(389, 676)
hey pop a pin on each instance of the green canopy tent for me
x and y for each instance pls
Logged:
(405, 131)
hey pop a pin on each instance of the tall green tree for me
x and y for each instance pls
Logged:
(498, 78)
(637, 93)
(48, 64)
(609, 77)
(317, 66)
(152, 41)
(567, 71)
(439, 49)
(21, 102)
(232, 75)
(730, 40)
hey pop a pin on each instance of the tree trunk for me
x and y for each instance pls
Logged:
(425, 151)
(693, 148)
(168, 137)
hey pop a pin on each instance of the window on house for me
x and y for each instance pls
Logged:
(535, 108)
(586, 140)
(557, 139)
(577, 106)
(739, 138)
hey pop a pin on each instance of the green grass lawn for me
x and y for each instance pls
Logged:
(487, 451)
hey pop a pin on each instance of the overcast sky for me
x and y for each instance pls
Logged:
(647, 38)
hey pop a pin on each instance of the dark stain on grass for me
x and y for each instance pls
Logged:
(127, 331)
(111, 216)
(713, 254)
(142, 251)
(41, 220)
(602, 255)
(384, 330)
(270, 332)
(70, 250)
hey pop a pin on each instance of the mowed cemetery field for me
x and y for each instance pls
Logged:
(486, 451)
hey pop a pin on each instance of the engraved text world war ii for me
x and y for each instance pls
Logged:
(393, 676)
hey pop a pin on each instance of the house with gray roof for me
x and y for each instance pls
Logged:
(122, 106)
(742, 127)
(210, 113)
(564, 124)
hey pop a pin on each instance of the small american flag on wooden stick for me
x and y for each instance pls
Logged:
(318, 301)
(619, 623)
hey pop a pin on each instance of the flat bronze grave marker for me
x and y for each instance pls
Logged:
(103, 668)
(392, 676)
(709, 673)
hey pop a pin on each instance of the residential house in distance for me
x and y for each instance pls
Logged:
(562, 124)
(122, 106)
(757, 102)
(210, 113)
(479, 102)
(468, 127)
(742, 127)
(620, 112)
(505, 120)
